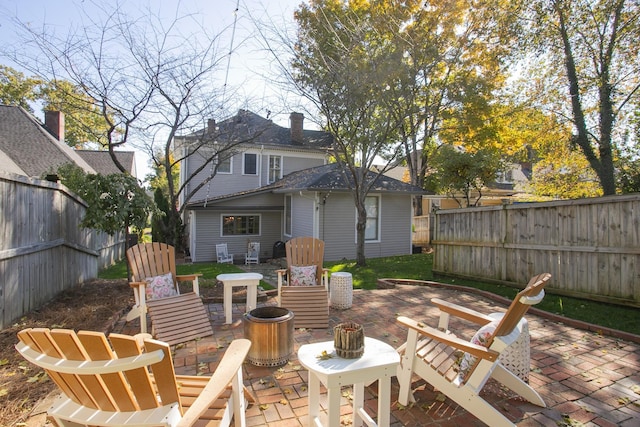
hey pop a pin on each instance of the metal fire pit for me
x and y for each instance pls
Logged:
(270, 330)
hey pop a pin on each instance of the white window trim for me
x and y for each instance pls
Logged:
(244, 165)
(239, 235)
(269, 168)
(379, 224)
(290, 206)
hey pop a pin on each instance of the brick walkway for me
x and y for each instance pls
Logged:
(585, 378)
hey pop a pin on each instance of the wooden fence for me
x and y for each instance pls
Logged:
(43, 250)
(421, 230)
(590, 246)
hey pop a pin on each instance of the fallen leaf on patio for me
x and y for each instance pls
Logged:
(181, 345)
(278, 376)
(281, 370)
(427, 406)
(635, 389)
(262, 381)
(4, 362)
(287, 391)
(303, 388)
(296, 367)
(324, 355)
(219, 346)
(441, 397)
(263, 407)
(623, 400)
(284, 402)
(421, 324)
(347, 394)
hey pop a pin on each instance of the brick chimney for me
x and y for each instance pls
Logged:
(54, 122)
(211, 126)
(296, 120)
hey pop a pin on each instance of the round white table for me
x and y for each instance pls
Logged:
(379, 362)
(229, 280)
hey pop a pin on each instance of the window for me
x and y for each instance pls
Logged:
(371, 204)
(250, 164)
(223, 164)
(275, 168)
(287, 214)
(240, 225)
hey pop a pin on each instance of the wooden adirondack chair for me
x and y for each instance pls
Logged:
(434, 354)
(310, 304)
(128, 380)
(174, 319)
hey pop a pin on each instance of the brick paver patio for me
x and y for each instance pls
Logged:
(585, 378)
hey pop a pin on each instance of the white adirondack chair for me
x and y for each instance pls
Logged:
(223, 255)
(433, 355)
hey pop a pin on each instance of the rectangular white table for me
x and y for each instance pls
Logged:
(229, 280)
(379, 362)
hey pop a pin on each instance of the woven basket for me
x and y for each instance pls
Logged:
(348, 340)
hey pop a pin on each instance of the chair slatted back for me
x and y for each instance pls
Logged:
(151, 259)
(129, 388)
(533, 292)
(304, 251)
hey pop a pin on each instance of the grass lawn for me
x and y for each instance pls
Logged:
(419, 266)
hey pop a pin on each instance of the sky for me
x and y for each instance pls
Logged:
(246, 65)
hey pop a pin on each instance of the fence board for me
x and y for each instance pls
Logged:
(590, 246)
(43, 250)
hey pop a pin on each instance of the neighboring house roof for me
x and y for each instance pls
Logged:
(323, 178)
(31, 147)
(254, 129)
(102, 163)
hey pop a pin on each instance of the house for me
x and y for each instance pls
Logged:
(33, 149)
(278, 185)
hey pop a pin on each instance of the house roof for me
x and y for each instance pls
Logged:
(254, 129)
(32, 149)
(102, 163)
(323, 178)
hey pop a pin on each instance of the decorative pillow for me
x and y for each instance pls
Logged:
(303, 275)
(481, 337)
(160, 286)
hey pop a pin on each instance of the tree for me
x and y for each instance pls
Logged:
(150, 79)
(115, 202)
(16, 89)
(597, 44)
(460, 174)
(85, 126)
(451, 64)
(83, 123)
(344, 67)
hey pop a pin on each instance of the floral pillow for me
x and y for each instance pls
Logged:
(481, 337)
(160, 286)
(303, 275)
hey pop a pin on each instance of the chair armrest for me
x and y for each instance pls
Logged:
(449, 339)
(462, 312)
(193, 278)
(187, 277)
(226, 371)
(137, 284)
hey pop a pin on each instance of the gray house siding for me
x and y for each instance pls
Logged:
(209, 226)
(302, 221)
(228, 183)
(338, 220)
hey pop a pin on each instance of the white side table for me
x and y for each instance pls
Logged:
(379, 362)
(229, 280)
(341, 289)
